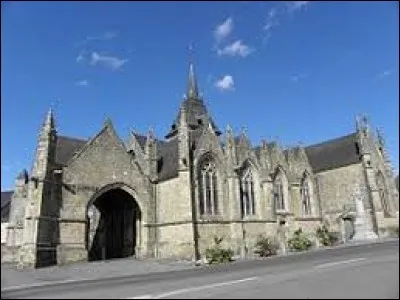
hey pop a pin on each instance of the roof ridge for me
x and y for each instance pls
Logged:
(332, 140)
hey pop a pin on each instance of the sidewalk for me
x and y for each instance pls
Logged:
(12, 278)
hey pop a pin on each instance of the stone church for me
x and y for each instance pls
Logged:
(146, 197)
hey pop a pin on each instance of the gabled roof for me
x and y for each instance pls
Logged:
(167, 152)
(335, 153)
(5, 205)
(66, 147)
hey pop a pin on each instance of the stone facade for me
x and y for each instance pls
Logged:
(168, 198)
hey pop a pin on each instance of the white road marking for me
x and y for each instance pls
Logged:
(193, 289)
(339, 263)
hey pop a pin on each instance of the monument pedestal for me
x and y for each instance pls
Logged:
(363, 224)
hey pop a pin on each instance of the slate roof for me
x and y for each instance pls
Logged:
(5, 205)
(335, 153)
(141, 139)
(66, 147)
(196, 116)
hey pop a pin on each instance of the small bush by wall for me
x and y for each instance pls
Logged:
(218, 254)
(265, 246)
(326, 237)
(299, 241)
(393, 231)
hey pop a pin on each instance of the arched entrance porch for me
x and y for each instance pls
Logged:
(113, 225)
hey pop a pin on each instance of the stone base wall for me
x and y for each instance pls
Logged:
(67, 254)
(9, 254)
(175, 241)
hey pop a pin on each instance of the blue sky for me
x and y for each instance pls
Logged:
(293, 71)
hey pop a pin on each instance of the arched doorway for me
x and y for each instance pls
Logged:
(113, 225)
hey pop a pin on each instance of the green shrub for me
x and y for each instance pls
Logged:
(299, 241)
(326, 237)
(393, 231)
(265, 246)
(217, 254)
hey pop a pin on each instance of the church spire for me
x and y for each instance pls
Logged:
(192, 92)
(49, 124)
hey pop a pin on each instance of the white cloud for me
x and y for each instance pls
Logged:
(108, 35)
(223, 30)
(80, 56)
(226, 83)
(83, 83)
(293, 6)
(298, 77)
(272, 19)
(386, 73)
(277, 13)
(111, 62)
(383, 74)
(271, 22)
(236, 48)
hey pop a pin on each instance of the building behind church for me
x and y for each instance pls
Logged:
(151, 197)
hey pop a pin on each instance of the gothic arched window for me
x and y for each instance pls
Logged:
(380, 181)
(247, 194)
(305, 196)
(208, 188)
(280, 185)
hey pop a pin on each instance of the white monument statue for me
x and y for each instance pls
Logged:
(363, 222)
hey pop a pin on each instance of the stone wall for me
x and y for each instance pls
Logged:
(175, 241)
(4, 232)
(174, 218)
(335, 188)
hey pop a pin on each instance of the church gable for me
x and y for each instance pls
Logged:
(208, 142)
(103, 158)
(277, 156)
(297, 162)
(245, 151)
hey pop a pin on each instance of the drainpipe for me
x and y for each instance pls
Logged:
(194, 207)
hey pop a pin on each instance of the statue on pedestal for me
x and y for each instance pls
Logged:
(363, 223)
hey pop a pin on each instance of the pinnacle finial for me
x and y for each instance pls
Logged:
(229, 129)
(107, 121)
(150, 134)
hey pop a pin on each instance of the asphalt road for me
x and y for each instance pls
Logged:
(364, 272)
